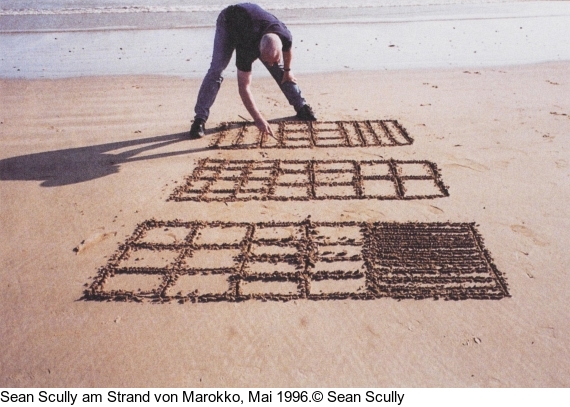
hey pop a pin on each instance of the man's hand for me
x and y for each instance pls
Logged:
(288, 77)
(244, 82)
(264, 127)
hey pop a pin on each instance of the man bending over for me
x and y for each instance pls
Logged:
(253, 33)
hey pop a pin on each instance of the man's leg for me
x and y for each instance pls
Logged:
(221, 56)
(289, 89)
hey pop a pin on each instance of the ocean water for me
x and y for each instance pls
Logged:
(70, 38)
(22, 7)
(83, 15)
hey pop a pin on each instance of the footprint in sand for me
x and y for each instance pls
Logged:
(435, 210)
(561, 163)
(466, 163)
(92, 241)
(523, 230)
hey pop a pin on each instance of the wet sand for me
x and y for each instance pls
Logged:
(331, 40)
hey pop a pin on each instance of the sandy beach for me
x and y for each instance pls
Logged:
(86, 159)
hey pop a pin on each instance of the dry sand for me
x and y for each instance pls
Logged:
(87, 159)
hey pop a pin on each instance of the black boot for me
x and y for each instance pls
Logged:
(198, 128)
(306, 113)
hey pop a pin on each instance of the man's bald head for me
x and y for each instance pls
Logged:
(270, 49)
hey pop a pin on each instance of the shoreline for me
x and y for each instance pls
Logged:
(339, 21)
(231, 78)
(85, 20)
(319, 48)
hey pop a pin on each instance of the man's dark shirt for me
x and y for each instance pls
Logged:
(247, 23)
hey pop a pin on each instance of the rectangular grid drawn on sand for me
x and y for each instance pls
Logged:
(301, 134)
(215, 180)
(282, 261)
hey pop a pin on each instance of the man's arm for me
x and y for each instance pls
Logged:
(288, 76)
(244, 82)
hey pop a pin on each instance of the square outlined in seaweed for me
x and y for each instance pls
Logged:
(305, 180)
(299, 134)
(282, 261)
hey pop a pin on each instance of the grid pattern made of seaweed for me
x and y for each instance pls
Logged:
(306, 134)
(303, 180)
(198, 261)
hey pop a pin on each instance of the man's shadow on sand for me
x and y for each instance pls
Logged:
(76, 165)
